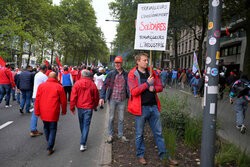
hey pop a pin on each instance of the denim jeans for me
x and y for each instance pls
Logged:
(5, 89)
(33, 122)
(26, 98)
(195, 88)
(240, 107)
(112, 107)
(152, 115)
(50, 129)
(13, 94)
(18, 97)
(84, 116)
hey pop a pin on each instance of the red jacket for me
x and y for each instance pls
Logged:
(6, 77)
(74, 74)
(84, 94)
(48, 71)
(50, 95)
(134, 103)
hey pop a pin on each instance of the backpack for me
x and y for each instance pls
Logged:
(242, 88)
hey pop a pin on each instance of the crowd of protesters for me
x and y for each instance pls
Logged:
(43, 90)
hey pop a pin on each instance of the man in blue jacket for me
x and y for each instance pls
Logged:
(114, 90)
(26, 86)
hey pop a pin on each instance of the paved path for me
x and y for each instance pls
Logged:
(17, 148)
(225, 118)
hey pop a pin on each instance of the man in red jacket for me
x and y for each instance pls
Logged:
(85, 97)
(145, 105)
(50, 95)
(6, 83)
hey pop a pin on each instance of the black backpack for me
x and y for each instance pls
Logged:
(242, 88)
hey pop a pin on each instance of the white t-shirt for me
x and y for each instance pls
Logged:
(39, 78)
(99, 80)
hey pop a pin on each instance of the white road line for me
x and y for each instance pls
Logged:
(185, 92)
(6, 124)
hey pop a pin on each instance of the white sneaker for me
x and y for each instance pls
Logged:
(31, 110)
(83, 148)
(7, 106)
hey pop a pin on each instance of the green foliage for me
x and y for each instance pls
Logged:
(230, 154)
(170, 137)
(172, 113)
(193, 132)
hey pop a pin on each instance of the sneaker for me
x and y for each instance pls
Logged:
(124, 139)
(35, 133)
(21, 110)
(110, 139)
(49, 152)
(7, 106)
(83, 148)
(142, 160)
(31, 110)
(238, 127)
(243, 129)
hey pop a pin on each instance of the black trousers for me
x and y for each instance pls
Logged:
(67, 90)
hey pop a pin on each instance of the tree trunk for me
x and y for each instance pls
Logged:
(42, 53)
(28, 63)
(74, 57)
(52, 55)
(246, 65)
(21, 53)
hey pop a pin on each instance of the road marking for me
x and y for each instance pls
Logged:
(185, 92)
(6, 124)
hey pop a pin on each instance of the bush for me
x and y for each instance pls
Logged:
(230, 154)
(193, 132)
(169, 136)
(172, 115)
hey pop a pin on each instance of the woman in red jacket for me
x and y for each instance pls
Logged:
(50, 95)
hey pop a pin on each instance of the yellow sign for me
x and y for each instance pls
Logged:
(210, 25)
(217, 55)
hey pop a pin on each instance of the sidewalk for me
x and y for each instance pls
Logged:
(225, 118)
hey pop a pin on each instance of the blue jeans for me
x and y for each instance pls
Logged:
(13, 93)
(33, 122)
(84, 116)
(195, 88)
(152, 115)
(26, 98)
(50, 129)
(240, 106)
(18, 97)
(5, 89)
(112, 106)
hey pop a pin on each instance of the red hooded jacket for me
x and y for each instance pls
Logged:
(50, 95)
(84, 94)
(6, 77)
(134, 103)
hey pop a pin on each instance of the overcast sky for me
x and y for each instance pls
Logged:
(102, 13)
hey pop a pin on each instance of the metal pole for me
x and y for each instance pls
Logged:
(211, 84)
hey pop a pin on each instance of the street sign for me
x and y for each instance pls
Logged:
(152, 26)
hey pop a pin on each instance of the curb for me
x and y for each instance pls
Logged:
(105, 154)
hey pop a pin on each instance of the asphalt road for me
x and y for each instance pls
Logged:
(18, 149)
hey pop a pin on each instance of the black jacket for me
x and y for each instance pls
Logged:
(26, 80)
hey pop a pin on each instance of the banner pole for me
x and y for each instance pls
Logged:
(150, 62)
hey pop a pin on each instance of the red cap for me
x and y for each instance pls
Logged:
(118, 59)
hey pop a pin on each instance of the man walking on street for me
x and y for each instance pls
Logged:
(85, 97)
(145, 105)
(240, 90)
(6, 83)
(67, 82)
(114, 90)
(40, 77)
(26, 85)
(47, 105)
